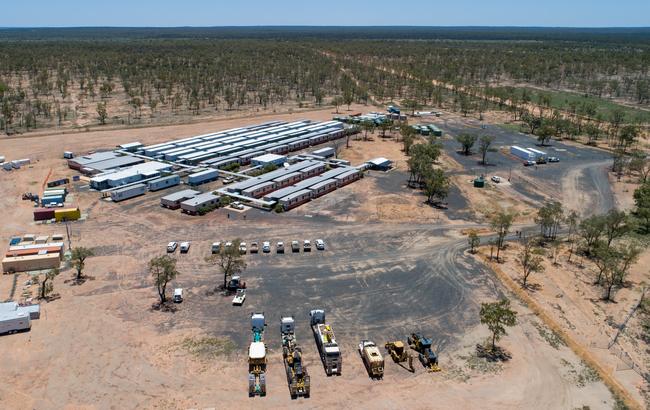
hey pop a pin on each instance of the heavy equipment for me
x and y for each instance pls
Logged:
(297, 375)
(257, 357)
(372, 359)
(329, 350)
(399, 354)
(427, 356)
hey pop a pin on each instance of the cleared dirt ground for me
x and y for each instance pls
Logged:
(385, 273)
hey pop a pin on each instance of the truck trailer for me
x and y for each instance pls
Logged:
(297, 375)
(329, 350)
(522, 153)
(257, 357)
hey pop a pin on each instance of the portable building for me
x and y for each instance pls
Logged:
(281, 193)
(267, 159)
(31, 262)
(128, 192)
(40, 246)
(335, 172)
(173, 201)
(163, 183)
(54, 192)
(296, 199)
(86, 160)
(109, 164)
(522, 153)
(288, 179)
(380, 163)
(33, 251)
(203, 177)
(313, 170)
(129, 175)
(200, 203)
(14, 321)
(52, 200)
(43, 214)
(67, 214)
(306, 183)
(346, 178)
(41, 239)
(260, 190)
(131, 146)
(323, 187)
(326, 152)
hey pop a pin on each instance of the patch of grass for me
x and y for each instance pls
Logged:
(550, 336)
(208, 347)
(587, 376)
(511, 127)
(481, 364)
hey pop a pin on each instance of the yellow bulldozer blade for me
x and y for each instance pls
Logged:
(434, 368)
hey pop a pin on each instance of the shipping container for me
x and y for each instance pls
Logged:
(203, 177)
(43, 214)
(522, 153)
(58, 182)
(31, 262)
(33, 251)
(67, 214)
(52, 200)
(128, 192)
(165, 182)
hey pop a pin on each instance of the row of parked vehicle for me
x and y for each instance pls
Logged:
(266, 246)
(172, 246)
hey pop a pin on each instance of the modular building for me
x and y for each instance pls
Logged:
(260, 190)
(316, 169)
(31, 262)
(323, 187)
(128, 192)
(296, 199)
(173, 201)
(86, 160)
(288, 179)
(67, 214)
(14, 321)
(203, 177)
(200, 203)
(52, 200)
(110, 164)
(129, 175)
(346, 178)
(163, 183)
(131, 146)
(267, 159)
(522, 153)
(380, 163)
(326, 152)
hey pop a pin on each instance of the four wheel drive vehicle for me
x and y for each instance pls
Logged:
(239, 298)
(320, 245)
(228, 245)
(495, 179)
(254, 247)
(171, 247)
(306, 246)
(228, 180)
(295, 246)
(280, 247)
(237, 205)
(242, 248)
(529, 163)
(185, 247)
(266, 247)
(216, 247)
(236, 283)
(178, 295)
(553, 159)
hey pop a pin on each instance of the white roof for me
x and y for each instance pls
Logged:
(268, 158)
(257, 350)
(144, 168)
(379, 161)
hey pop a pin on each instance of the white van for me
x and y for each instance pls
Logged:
(178, 295)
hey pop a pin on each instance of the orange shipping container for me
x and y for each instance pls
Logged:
(36, 251)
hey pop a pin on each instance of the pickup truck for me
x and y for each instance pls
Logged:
(295, 246)
(239, 298)
(320, 245)
(242, 248)
(171, 247)
(280, 247)
(266, 247)
(216, 247)
(306, 245)
(185, 247)
(254, 247)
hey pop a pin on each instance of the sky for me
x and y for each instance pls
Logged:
(169, 13)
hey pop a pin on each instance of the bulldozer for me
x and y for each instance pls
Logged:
(399, 354)
(427, 356)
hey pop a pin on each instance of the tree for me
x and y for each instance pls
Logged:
(544, 133)
(102, 112)
(501, 223)
(47, 286)
(411, 105)
(229, 261)
(348, 98)
(408, 137)
(572, 224)
(162, 270)
(613, 264)
(79, 256)
(642, 202)
(436, 186)
(466, 141)
(474, 240)
(591, 231)
(532, 121)
(628, 136)
(549, 217)
(498, 315)
(617, 225)
(484, 146)
(337, 102)
(384, 126)
(367, 126)
(530, 260)
(593, 132)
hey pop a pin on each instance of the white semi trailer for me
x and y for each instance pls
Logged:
(14, 321)
(522, 153)
(329, 350)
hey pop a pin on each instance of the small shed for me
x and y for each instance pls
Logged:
(381, 164)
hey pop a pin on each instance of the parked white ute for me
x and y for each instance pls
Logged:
(171, 247)
(320, 245)
(242, 248)
(496, 179)
(185, 247)
(178, 295)
(239, 298)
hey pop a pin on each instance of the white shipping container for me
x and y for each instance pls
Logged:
(522, 153)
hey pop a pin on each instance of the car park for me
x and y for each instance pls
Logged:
(306, 246)
(280, 247)
(496, 179)
(266, 247)
(239, 298)
(320, 245)
(171, 247)
(242, 248)
(295, 246)
(185, 247)
(216, 247)
(254, 247)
